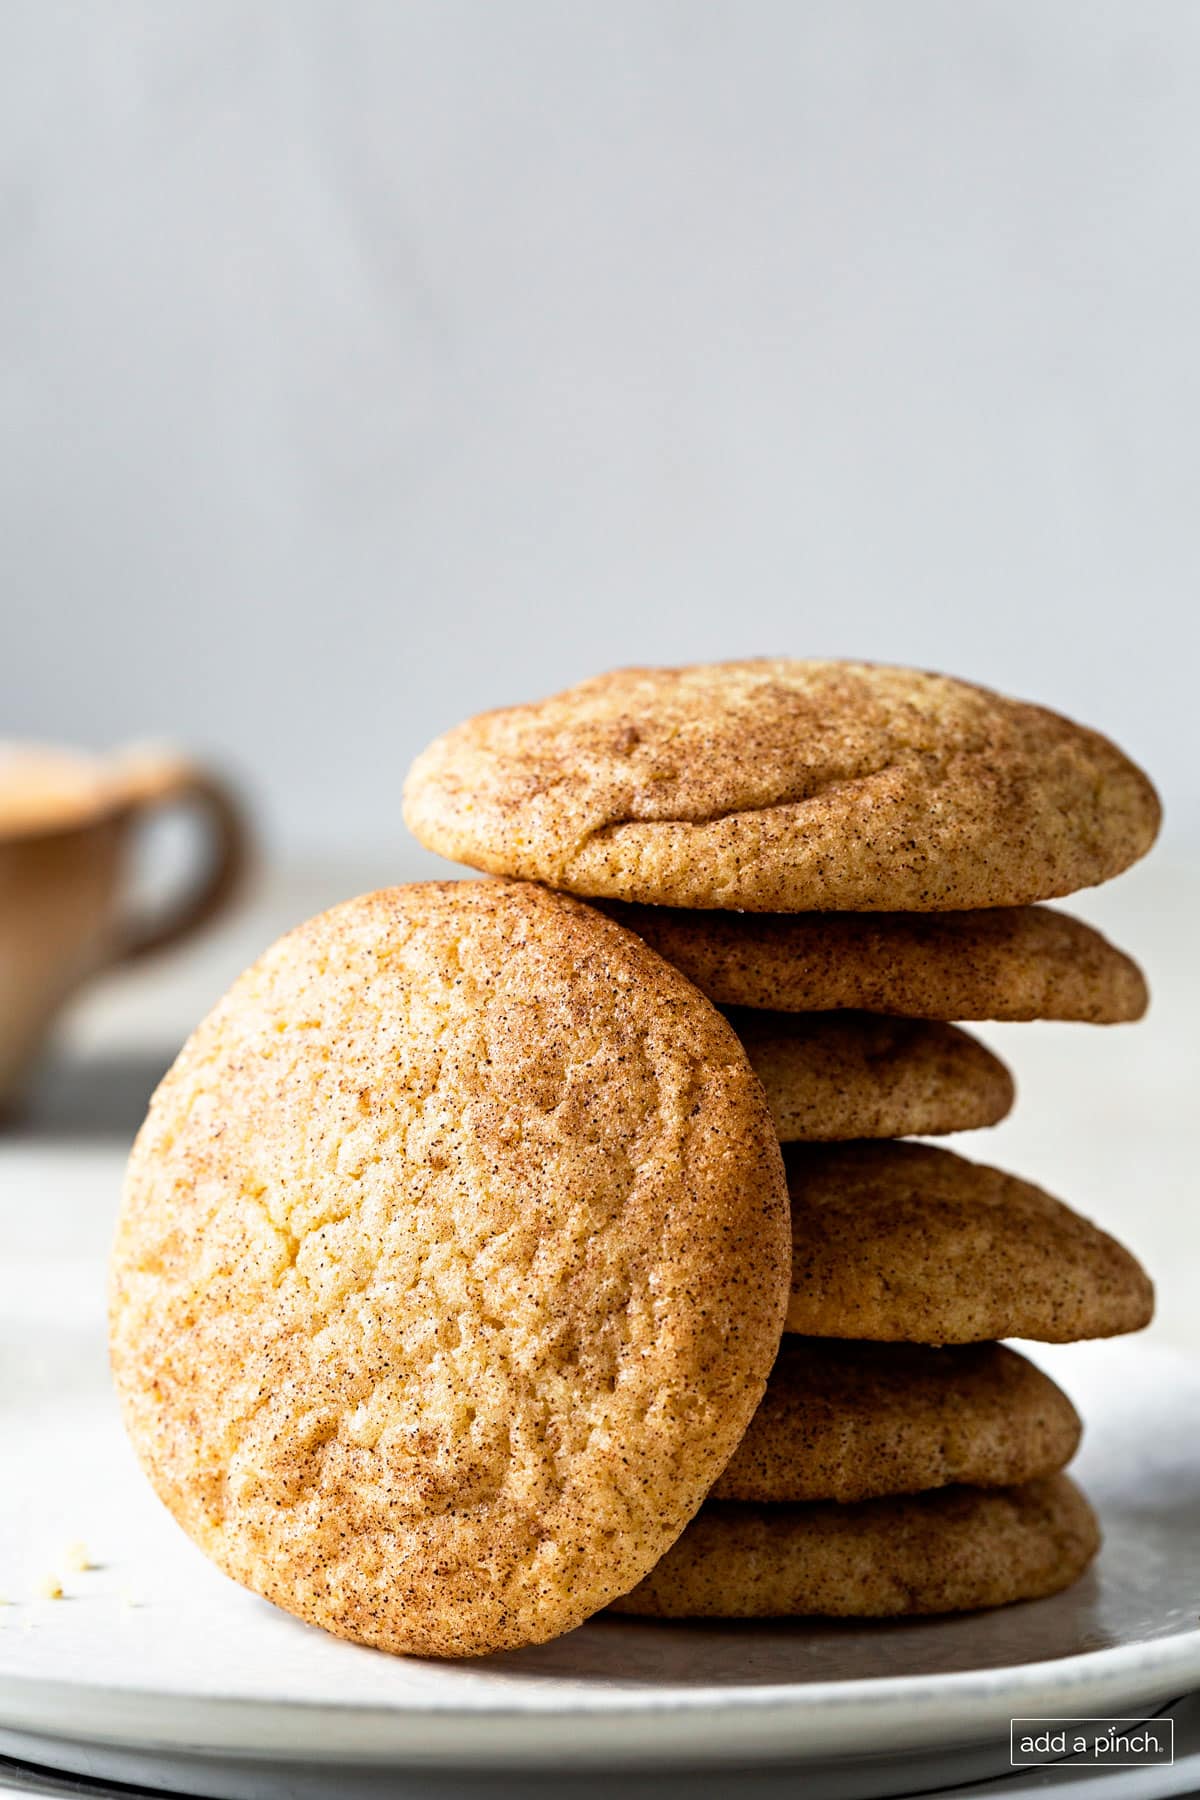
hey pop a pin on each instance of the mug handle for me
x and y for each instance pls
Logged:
(160, 781)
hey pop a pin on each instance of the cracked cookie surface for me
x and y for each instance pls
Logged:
(955, 1550)
(909, 1243)
(452, 1260)
(855, 1421)
(785, 786)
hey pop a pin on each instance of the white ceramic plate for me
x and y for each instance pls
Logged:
(153, 1651)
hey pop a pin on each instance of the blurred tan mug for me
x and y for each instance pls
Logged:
(67, 828)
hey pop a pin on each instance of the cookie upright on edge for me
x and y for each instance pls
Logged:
(452, 1262)
(784, 786)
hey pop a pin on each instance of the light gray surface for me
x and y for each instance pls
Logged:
(366, 365)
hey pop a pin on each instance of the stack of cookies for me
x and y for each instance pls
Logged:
(846, 859)
(489, 1257)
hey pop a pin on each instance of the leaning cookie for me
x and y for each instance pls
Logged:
(908, 1243)
(956, 1550)
(785, 786)
(1009, 962)
(830, 1076)
(855, 1421)
(451, 1265)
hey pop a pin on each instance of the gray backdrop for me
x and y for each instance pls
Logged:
(368, 364)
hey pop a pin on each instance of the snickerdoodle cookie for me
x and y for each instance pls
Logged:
(955, 1550)
(1009, 962)
(830, 1076)
(853, 1421)
(784, 786)
(451, 1266)
(908, 1243)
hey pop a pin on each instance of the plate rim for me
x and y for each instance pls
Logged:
(546, 1726)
